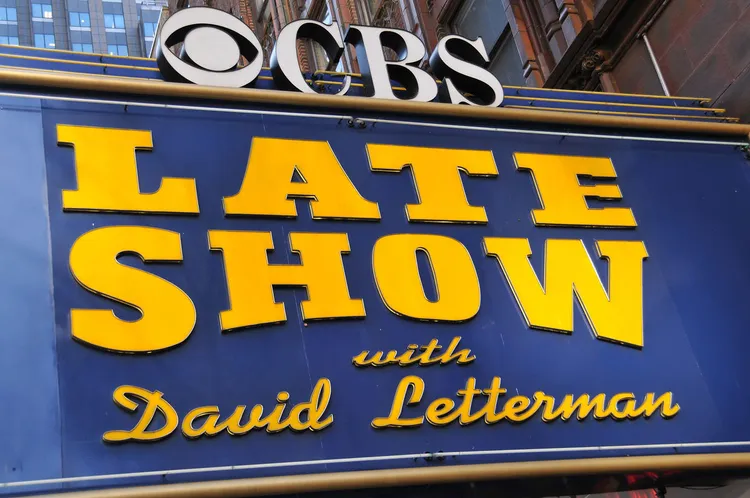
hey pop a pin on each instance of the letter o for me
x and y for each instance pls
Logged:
(394, 265)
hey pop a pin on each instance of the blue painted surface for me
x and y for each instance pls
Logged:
(30, 431)
(690, 201)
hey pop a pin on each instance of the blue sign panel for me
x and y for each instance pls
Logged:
(216, 293)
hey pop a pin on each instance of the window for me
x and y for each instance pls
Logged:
(41, 10)
(8, 14)
(83, 47)
(80, 19)
(486, 18)
(44, 41)
(8, 40)
(149, 29)
(112, 21)
(117, 49)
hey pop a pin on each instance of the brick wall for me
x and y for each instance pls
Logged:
(703, 50)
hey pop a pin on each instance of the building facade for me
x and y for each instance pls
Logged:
(115, 27)
(675, 47)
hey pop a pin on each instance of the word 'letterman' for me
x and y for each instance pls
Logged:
(107, 180)
(474, 404)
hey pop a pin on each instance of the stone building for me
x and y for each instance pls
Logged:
(675, 47)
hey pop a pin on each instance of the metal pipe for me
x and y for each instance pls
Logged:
(268, 486)
(656, 65)
(133, 86)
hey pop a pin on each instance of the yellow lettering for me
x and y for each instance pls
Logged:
(308, 415)
(491, 416)
(464, 415)
(617, 317)
(399, 401)
(315, 409)
(154, 403)
(394, 262)
(107, 174)
(250, 278)
(268, 188)
(439, 412)
(562, 196)
(513, 409)
(272, 422)
(517, 409)
(583, 405)
(461, 357)
(613, 408)
(423, 358)
(211, 414)
(168, 314)
(651, 404)
(437, 179)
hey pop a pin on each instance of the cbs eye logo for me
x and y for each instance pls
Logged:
(212, 44)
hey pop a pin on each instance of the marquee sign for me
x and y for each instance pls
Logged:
(213, 42)
(199, 292)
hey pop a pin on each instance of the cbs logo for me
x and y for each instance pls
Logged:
(212, 43)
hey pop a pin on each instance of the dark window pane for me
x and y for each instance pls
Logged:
(506, 66)
(485, 18)
(85, 36)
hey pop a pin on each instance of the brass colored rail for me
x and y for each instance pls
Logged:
(265, 486)
(362, 104)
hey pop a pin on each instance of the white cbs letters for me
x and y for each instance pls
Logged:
(459, 62)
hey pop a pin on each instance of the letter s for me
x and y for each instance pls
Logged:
(168, 314)
(460, 64)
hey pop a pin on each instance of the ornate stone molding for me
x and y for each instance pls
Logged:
(586, 74)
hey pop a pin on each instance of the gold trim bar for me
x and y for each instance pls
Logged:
(439, 474)
(359, 104)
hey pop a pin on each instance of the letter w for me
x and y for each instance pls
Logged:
(568, 269)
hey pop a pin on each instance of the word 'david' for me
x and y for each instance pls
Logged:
(107, 181)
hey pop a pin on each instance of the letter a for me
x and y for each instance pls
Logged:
(268, 188)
